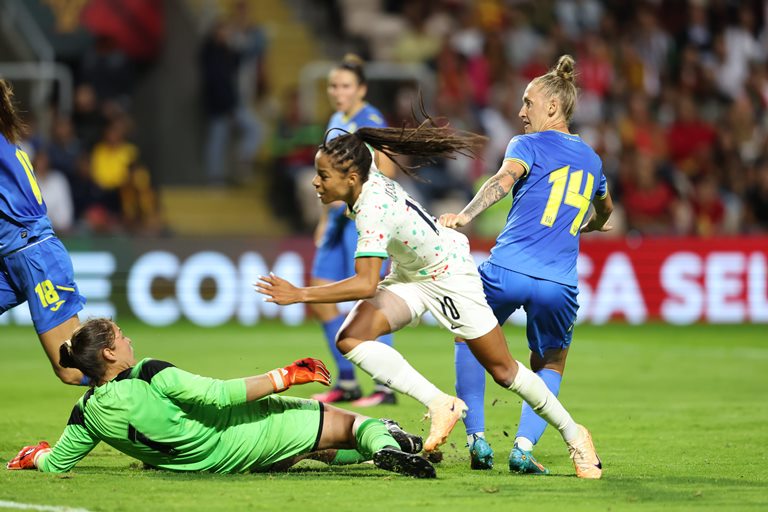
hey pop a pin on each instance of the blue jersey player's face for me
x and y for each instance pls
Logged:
(332, 184)
(536, 112)
(345, 92)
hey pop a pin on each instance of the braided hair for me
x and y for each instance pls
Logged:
(427, 140)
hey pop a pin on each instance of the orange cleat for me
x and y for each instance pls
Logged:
(444, 412)
(584, 456)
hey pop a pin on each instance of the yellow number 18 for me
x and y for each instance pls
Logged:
(572, 197)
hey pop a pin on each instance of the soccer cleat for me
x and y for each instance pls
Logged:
(444, 412)
(409, 443)
(392, 459)
(338, 394)
(480, 453)
(376, 398)
(523, 461)
(584, 456)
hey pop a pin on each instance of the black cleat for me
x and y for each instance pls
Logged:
(392, 459)
(409, 443)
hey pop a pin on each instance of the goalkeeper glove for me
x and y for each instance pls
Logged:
(28, 456)
(300, 372)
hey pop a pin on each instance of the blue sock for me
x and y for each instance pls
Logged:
(387, 339)
(470, 387)
(531, 424)
(346, 368)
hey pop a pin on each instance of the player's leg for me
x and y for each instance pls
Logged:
(43, 273)
(388, 311)
(551, 317)
(358, 438)
(492, 352)
(330, 265)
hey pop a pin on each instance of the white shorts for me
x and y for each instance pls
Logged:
(457, 302)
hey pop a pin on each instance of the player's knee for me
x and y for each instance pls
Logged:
(503, 376)
(69, 376)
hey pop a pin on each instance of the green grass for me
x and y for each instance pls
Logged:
(679, 417)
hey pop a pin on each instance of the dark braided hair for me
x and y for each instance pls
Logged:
(11, 126)
(427, 141)
(83, 350)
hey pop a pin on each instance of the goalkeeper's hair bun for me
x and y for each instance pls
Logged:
(84, 349)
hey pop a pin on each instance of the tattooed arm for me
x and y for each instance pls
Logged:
(490, 193)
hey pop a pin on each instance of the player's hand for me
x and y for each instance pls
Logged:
(594, 224)
(454, 220)
(27, 457)
(278, 290)
(302, 371)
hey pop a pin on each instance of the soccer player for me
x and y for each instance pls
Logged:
(336, 235)
(34, 265)
(432, 270)
(172, 419)
(554, 176)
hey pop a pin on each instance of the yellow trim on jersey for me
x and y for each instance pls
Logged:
(65, 288)
(521, 162)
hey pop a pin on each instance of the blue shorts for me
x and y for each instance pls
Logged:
(41, 274)
(551, 307)
(335, 258)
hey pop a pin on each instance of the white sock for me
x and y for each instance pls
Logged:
(524, 443)
(388, 366)
(471, 437)
(533, 390)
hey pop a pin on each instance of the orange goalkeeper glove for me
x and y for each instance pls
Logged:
(302, 371)
(27, 457)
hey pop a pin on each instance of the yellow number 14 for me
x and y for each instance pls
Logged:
(572, 197)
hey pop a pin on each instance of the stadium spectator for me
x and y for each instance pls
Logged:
(56, 191)
(202, 424)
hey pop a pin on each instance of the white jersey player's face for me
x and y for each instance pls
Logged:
(334, 185)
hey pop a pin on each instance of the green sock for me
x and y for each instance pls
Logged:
(344, 457)
(372, 436)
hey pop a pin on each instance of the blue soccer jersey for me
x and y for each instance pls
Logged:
(367, 117)
(550, 202)
(23, 213)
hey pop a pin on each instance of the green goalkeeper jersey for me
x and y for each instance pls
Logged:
(177, 420)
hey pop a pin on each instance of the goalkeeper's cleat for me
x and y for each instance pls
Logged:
(584, 456)
(409, 443)
(523, 461)
(444, 412)
(338, 394)
(376, 398)
(480, 453)
(392, 459)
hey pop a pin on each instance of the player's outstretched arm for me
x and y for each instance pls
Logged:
(598, 221)
(492, 191)
(301, 371)
(360, 286)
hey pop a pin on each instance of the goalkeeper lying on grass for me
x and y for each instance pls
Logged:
(172, 419)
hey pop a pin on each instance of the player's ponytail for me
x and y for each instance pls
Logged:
(84, 349)
(11, 126)
(427, 141)
(560, 82)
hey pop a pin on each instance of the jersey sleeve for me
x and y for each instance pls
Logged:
(602, 188)
(520, 150)
(372, 234)
(190, 388)
(74, 444)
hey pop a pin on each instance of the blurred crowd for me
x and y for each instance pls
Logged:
(673, 96)
(91, 175)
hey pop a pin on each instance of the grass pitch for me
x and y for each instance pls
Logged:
(679, 416)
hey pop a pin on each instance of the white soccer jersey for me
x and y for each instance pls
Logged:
(391, 224)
